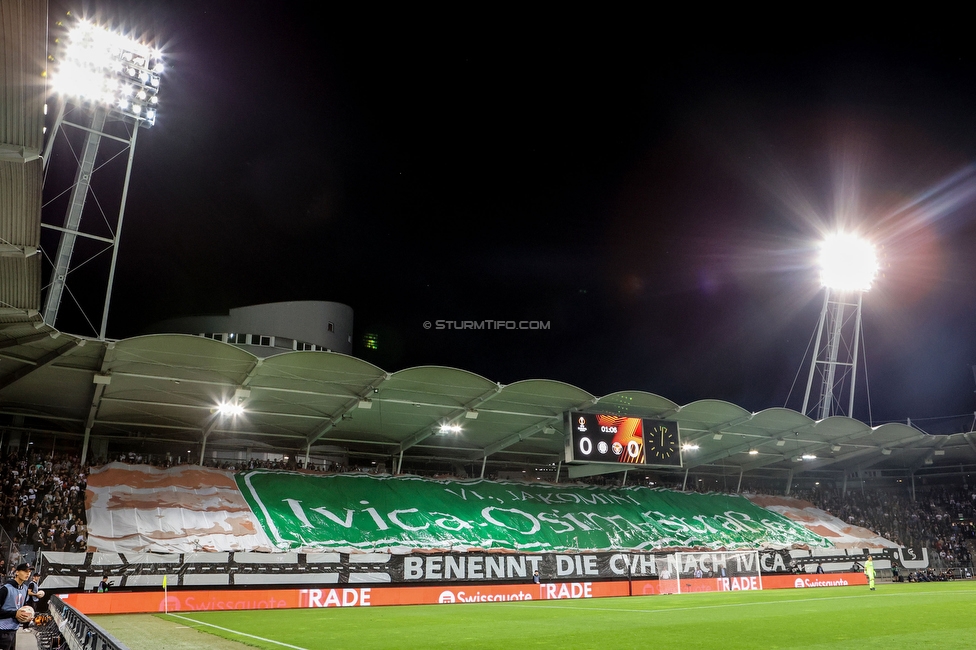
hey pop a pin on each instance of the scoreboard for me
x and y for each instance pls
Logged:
(606, 438)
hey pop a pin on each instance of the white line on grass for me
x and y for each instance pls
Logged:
(570, 604)
(250, 636)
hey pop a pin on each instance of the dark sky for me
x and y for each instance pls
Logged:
(652, 188)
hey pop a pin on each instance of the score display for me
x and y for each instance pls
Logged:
(605, 438)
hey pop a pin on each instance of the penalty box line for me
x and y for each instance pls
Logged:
(250, 636)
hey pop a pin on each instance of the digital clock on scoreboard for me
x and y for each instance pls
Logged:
(605, 438)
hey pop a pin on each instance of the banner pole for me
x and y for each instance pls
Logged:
(630, 575)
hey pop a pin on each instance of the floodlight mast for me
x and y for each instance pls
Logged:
(848, 266)
(105, 75)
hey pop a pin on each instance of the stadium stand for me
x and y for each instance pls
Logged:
(43, 506)
(941, 519)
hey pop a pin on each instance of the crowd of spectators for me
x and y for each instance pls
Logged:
(939, 518)
(42, 501)
(42, 504)
(291, 463)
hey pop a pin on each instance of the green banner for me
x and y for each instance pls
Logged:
(372, 513)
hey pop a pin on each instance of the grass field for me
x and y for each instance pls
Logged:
(927, 615)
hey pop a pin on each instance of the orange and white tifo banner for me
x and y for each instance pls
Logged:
(215, 600)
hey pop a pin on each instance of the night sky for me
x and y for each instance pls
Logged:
(652, 189)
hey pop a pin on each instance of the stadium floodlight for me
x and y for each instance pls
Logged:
(110, 69)
(809, 457)
(112, 79)
(848, 268)
(689, 446)
(847, 263)
(450, 428)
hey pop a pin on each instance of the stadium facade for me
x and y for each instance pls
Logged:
(272, 328)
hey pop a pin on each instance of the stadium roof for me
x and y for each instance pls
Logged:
(166, 389)
(23, 59)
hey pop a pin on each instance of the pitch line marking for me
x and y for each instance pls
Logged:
(251, 636)
(683, 609)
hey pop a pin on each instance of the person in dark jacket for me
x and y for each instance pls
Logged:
(13, 597)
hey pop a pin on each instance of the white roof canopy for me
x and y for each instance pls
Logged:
(165, 388)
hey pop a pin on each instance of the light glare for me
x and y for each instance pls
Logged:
(91, 64)
(230, 409)
(847, 263)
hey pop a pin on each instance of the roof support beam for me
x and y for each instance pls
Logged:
(207, 430)
(45, 360)
(968, 437)
(229, 384)
(848, 438)
(343, 410)
(99, 382)
(873, 449)
(171, 379)
(881, 457)
(738, 449)
(428, 430)
(719, 428)
(242, 393)
(811, 446)
(928, 455)
(528, 432)
(896, 449)
(252, 373)
(666, 413)
(819, 463)
(209, 406)
(516, 438)
(24, 340)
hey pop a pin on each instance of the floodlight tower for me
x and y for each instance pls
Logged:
(848, 266)
(108, 77)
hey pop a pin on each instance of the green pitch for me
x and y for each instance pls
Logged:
(930, 615)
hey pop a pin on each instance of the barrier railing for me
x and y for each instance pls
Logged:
(78, 631)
